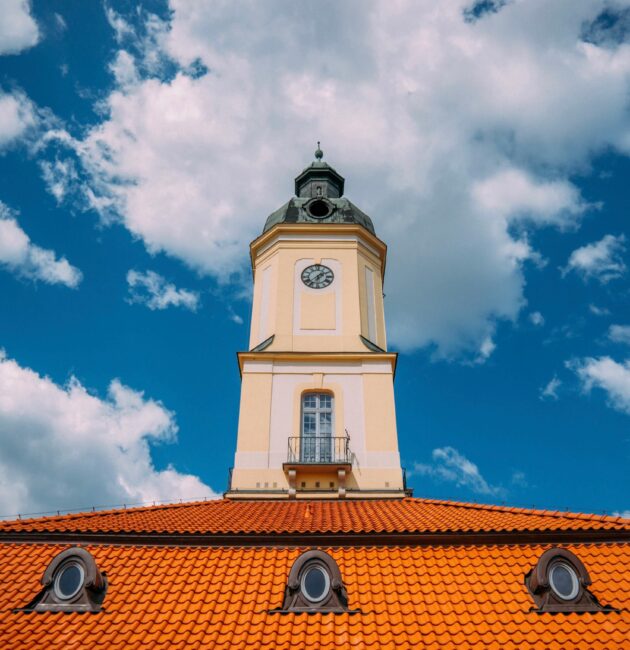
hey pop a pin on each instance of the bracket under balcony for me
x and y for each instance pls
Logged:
(315, 455)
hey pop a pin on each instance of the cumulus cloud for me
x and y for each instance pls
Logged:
(76, 449)
(619, 334)
(152, 289)
(20, 256)
(18, 30)
(514, 194)
(452, 467)
(550, 390)
(536, 318)
(17, 116)
(458, 133)
(609, 375)
(601, 260)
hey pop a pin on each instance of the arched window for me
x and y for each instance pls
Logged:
(317, 428)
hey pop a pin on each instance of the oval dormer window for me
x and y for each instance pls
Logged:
(69, 581)
(563, 580)
(319, 208)
(315, 584)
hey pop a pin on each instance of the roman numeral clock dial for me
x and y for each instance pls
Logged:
(317, 276)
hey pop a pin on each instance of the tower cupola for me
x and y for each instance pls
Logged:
(319, 199)
(319, 179)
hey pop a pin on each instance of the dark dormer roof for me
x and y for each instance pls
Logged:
(319, 199)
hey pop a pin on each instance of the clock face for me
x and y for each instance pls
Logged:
(317, 276)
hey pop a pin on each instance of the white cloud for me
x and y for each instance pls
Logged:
(18, 30)
(607, 374)
(17, 116)
(601, 260)
(451, 466)
(619, 334)
(513, 193)
(59, 176)
(487, 347)
(598, 311)
(234, 317)
(519, 479)
(76, 449)
(22, 257)
(122, 29)
(152, 289)
(60, 22)
(456, 137)
(550, 389)
(536, 318)
(625, 514)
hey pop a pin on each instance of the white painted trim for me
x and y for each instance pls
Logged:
(371, 312)
(263, 321)
(319, 238)
(258, 366)
(315, 367)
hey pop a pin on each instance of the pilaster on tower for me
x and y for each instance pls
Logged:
(317, 415)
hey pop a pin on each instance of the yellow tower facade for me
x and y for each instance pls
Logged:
(317, 415)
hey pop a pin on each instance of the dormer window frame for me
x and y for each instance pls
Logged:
(87, 595)
(549, 595)
(334, 597)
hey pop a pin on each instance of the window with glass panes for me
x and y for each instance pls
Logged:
(317, 423)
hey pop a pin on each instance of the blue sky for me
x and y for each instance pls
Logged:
(142, 147)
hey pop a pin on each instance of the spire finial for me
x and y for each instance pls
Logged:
(319, 154)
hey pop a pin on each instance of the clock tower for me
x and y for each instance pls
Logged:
(317, 415)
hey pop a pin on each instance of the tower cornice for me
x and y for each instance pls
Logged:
(319, 232)
(389, 358)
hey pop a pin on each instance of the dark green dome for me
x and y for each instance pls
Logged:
(319, 199)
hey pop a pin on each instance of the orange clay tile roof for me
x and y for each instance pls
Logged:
(409, 597)
(408, 515)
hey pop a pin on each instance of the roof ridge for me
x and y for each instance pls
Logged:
(110, 511)
(520, 510)
(350, 503)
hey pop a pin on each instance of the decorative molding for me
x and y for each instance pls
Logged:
(337, 358)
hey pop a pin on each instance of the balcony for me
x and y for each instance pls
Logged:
(319, 450)
(318, 455)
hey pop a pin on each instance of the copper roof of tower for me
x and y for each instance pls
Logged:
(319, 199)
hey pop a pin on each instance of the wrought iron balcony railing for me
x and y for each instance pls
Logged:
(319, 450)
